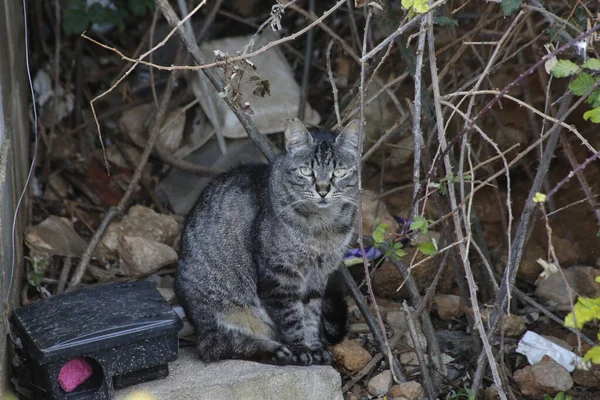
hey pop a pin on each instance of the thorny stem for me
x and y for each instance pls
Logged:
(418, 137)
(457, 227)
(510, 273)
(419, 350)
(358, 168)
(514, 83)
(334, 89)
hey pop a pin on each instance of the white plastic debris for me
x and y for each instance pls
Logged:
(535, 347)
(270, 112)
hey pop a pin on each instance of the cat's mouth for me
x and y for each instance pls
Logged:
(323, 203)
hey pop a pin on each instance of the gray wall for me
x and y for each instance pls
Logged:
(14, 144)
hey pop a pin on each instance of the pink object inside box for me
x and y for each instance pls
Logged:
(74, 373)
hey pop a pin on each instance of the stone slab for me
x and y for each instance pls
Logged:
(190, 379)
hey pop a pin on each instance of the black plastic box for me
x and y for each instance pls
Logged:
(127, 331)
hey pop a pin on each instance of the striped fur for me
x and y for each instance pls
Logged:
(259, 253)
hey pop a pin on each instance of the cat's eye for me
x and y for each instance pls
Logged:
(339, 172)
(306, 171)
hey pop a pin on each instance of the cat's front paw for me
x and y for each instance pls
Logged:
(282, 356)
(321, 357)
(303, 357)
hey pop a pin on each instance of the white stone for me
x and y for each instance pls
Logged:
(190, 379)
(380, 383)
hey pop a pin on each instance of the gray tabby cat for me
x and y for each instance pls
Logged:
(260, 252)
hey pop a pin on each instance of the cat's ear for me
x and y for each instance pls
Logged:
(349, 136)
(296, 136)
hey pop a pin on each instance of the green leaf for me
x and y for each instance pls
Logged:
(382, 227)
(597, 279)
(416, 6)
(416, 225)
(564, 68)
(399, 253)
(539, 197)
(427, 248)
(593, 354)
(406, 4)
(421, 6)
(445, 22)
(75, 18)
(593, 64)
(582, 84)
(585, 310)
(546, 397)
(593, 115)
(594, 98)
(510, 6)
(378, 237)
(139, 7)
(353, 261)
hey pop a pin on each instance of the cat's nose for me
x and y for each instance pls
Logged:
(323, 188)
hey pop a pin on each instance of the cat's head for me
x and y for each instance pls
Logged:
(319, 169)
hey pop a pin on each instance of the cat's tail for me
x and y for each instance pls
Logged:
(335, 309)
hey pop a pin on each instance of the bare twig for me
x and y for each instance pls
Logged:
(388, 350)
(457, 227)
(431, 395)
(510, 273)
(306, 72)
(378, 335)
(131, 189)
(262, 143)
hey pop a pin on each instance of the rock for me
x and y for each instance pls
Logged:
(56, 236)
(581, 280)
(448, 306)
(409, 390)
(359, 328)
(492, 393)
(397, 321)
(191, 379)
(409, 359)
(168, 294)
(145, 223)
(140, 256)
(545, 377)
(59, 184)
(401, 154)
(566, 251)
(373, 209)
(529, 268)
(514, 325)
(457, 344)
(114, 155)
(386, 280)
(589, 379)
(380, 384)
(351, 355)
(134, 123)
